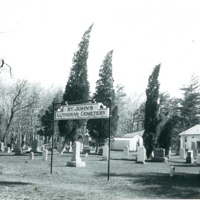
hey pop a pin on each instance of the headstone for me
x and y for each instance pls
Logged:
(105, 152)
(172, 171)
(182, 153)
(159, 155)
(45, 154)
(141, 155)
(125, 152)
(1, 146)
(17, 148)
(86, 147)
(170, 152)
(76, 159)
(31, 156)
(70, 147)
(7, 149)
(198, 158)
(190, 158)
(195, 152)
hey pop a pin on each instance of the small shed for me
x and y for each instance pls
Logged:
(132, 140)
(190, 138)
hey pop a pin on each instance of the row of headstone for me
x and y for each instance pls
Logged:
(44, 155)
(4, 149)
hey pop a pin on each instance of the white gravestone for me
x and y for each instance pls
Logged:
(198, 159)
(182, 153)
(31, 156)
(1, 146)
(76, 159)
(45, 154)
(70, 147)
(105, 152)
(170, 152)
(172, 171)
(141, 155)
(125, 152)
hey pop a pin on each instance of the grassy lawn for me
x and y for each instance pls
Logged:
(22, 178)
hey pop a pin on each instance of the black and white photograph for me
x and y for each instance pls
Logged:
(99, 99)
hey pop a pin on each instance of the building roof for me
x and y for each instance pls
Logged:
(195, 130)
(133, 134)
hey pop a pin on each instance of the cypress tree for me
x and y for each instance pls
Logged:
(77, 88)
(99, 128)
(167, 132)
(151, 120)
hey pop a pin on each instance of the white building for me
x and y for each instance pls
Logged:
(190, 138)
(132, 140)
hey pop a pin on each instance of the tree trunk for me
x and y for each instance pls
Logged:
(63, 146)
(97, 145)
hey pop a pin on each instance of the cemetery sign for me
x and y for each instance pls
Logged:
(82, 111)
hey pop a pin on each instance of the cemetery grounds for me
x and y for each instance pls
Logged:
(22, 178)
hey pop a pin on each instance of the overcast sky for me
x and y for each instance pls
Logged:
(39, 37)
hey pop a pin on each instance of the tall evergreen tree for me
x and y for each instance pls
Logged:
(190, 104)
(151, 120)
(77, 88)
(168, 131)
(99, 128)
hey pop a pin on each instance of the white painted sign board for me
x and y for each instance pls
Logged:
(82, 111)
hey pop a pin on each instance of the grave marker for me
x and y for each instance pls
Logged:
(45, 154)
(86, 147)
(31, 156)
(105, 152)
(125, 152)
(141, 155)
(7, 149)
(76, 160)
(17, 148)
(1, 146)
(190, 158)
(159, 155)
